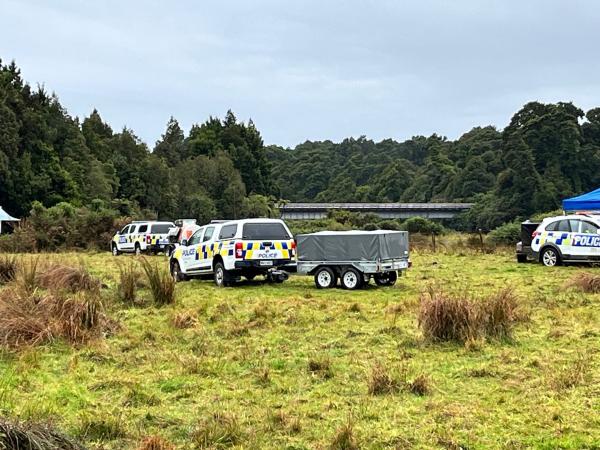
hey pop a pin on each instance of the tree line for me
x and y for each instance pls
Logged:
(223, 169)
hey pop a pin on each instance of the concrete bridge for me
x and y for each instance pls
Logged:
(307, 211)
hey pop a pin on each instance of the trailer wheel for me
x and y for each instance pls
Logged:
(325, 278)
(386, 279)
(351, 279)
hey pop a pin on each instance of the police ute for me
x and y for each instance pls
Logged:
(233, 249)
(141, 236)
(569, 238)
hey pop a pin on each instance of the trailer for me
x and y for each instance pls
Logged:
(353, 257)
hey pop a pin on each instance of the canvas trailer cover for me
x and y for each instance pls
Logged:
(368, 250)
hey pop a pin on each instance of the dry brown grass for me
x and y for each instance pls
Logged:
(156, 443)
(72, 279)
(320, 366)
(37, 318)
(31, 436)
(9, 266)
(443, 317)
(129, 279)
(221, 429)
(421, 385)
(586, 282)
(184, 319)
(344, 438)
(380, 382)
(162, 284)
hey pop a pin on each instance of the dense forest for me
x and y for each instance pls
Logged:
(223, 169)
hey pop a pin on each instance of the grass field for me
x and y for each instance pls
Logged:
(288, 366)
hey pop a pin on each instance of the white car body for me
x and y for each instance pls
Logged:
(141, 236)
(246, 247)
(569, 238)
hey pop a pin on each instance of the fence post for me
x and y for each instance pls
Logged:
(433, 240)
(481, 239)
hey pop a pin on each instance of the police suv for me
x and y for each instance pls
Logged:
(570, 238)
(229, 250)
(141, 236)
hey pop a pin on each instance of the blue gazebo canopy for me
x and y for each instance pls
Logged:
(584, 202)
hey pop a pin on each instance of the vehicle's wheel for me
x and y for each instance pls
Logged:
(325, 278)
(138, 250)
(351, 279)
(221, 277)
(521, 258)
(550, 257)
(249, 276)
(115, 250)
(176, 272)
(386, 279)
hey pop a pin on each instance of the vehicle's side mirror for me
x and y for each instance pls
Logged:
(184, 242)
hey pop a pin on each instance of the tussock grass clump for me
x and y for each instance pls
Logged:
(572, 375)
(320, 366)
(128, 283)
(184, 319)
(464, 319)
(27, 276)
(102, 427)
(344, 438)
(162, 284)
(221, 429)
(36, 318)
(9, 266)
(31, 436)
(155, 443)
(380, 382)
(72, 279)
(586, 282)
(420, 385)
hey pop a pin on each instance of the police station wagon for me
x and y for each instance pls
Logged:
(141, 236)
(570, 238)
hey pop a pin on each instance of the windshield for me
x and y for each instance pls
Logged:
(261, 231)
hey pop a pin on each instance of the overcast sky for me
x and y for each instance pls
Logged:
(307, 69)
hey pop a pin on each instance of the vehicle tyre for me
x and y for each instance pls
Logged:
(351, 279)
(550, 257)
(115, 251)
(325, 278)
(138, 250)
(176, 272)
(221, 276)
(249, 276)
(521, 258)
(386, 278)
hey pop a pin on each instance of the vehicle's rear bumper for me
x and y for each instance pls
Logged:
(256, 265)
(156, 247)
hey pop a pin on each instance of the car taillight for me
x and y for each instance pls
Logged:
(148, 239)
(294, 247)
(239, 250)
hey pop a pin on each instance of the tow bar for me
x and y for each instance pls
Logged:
(277, 276)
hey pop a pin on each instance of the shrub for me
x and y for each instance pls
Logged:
(587, 282)
(422, 225)
(344, 438)
(128, 283)
(8, 268)
(380, 382)
(156, 443)
(220, 429)
(31, 436)
(73, 279)
(507, 234)
(463, 319)
(162, 284)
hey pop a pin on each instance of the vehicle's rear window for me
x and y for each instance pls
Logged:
(262, 231)
(160, 228)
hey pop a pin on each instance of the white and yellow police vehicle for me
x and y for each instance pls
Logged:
(569, 238)
(239, 248)
(141, 236)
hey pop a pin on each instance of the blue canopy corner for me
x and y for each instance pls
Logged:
(584, 202)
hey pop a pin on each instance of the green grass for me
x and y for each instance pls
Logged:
(288, 366)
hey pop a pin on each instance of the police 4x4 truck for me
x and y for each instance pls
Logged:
(141, 236)
(570, 238)
(238, 248)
